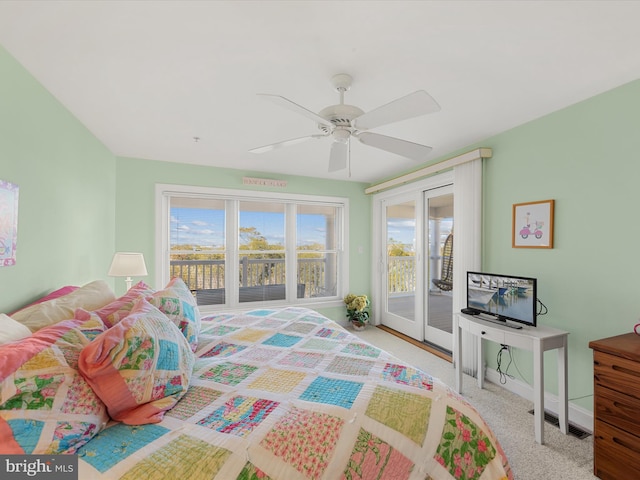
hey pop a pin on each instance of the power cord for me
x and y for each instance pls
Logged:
(504, 375)
(542, 309)
(522, 377)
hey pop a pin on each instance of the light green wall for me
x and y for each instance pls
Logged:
(586, 158)
(70, 196)
(67, 190)
(135, 211)
(79, 204)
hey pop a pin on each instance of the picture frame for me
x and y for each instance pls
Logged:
(8, 223)
(532, 224)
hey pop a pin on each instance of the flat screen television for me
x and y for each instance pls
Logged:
(504, 297)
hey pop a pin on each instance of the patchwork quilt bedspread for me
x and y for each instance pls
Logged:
(289, 394)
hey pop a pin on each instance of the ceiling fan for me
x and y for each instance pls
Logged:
(343, 122)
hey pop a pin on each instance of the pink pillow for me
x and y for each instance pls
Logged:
(115, 311)
(140, 367)
(47, 406)
(61, 292)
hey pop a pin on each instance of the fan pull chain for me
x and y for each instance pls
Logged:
(349, 155)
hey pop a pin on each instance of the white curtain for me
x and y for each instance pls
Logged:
(467, 214)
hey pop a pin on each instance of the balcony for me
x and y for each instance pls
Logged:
(402, 275)
(264, 279)
(260, 279)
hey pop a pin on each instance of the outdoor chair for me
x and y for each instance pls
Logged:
(445, 282)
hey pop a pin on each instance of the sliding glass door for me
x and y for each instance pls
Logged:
(442, 254)
(439, 267)
(400, 262)
(416, 263)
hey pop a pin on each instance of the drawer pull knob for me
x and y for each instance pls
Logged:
(626, 445)
(483, 332)
(621, 369)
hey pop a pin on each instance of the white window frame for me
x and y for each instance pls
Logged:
(233, 196)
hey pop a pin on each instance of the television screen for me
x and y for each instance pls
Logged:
(505, 297)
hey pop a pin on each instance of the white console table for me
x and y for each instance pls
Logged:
(536, 339)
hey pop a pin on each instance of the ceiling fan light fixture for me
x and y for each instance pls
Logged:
(341, 134)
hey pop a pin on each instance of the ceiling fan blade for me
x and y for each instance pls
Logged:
(411, 150)
(286, 103)
(285, 143)
(412, 105)
(338, 156)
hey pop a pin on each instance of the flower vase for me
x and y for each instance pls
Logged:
(359, 326)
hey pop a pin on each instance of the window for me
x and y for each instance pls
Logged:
(317, 248)
(197, 244)
(236, 247)
(262, 251)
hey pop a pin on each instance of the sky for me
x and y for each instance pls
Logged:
(205, 227)
(403, 230)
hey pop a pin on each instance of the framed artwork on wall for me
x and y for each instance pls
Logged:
(532, 224)
(8, 223)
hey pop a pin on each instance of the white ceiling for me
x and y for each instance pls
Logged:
(146, 77)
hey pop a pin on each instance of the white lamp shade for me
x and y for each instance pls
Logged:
(127, 264)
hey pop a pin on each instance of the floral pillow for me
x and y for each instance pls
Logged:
(121, 307)
(140, 367)
(46, 407)
(179, 305)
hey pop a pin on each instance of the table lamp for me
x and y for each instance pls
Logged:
(127, 264)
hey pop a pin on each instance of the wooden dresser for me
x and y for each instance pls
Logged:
(616, 378)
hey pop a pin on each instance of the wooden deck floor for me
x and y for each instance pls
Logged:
(440, 309)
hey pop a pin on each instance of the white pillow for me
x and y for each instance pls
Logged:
(91, 296)
(11, 330)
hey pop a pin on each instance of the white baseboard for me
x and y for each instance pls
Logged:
(577, 415)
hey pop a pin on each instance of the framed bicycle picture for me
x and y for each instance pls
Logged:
(532, 225)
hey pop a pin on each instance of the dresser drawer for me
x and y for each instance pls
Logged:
(616, 373)
(617, 409)
(616, 453)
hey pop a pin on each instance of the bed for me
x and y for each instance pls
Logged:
(269, 394)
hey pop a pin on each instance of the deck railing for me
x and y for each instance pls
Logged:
(402, 274)
(210, 274)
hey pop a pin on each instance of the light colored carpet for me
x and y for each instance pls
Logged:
(562, 456)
